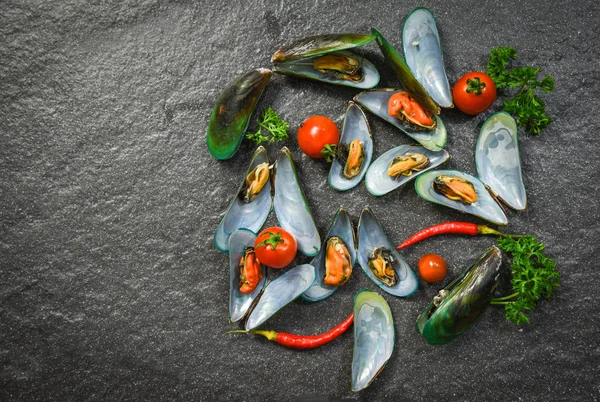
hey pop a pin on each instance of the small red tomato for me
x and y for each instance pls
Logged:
(432, 268)
(275, 247)
(474, 93)
(315, 133)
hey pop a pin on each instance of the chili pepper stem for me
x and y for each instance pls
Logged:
(486, 230)
(270, 335)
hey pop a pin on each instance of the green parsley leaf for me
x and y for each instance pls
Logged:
(499, 59)
(533, 277)
(527, 107)
(271, 122)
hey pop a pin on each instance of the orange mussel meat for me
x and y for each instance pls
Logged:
(251, 272)
(404, 107)
(338, 264)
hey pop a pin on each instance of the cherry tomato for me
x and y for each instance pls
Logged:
(315, 133)
(275, 247)
(432, 268)
(474, 92)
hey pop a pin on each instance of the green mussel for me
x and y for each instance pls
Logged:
(231, 115)
(458, 306)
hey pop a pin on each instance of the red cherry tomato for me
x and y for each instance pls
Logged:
(315, 133)
(432, 268)
(275, 247)
(474, 92)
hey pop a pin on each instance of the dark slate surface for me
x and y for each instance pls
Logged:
(110, 287)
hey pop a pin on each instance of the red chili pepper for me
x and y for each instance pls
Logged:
(466, 228)
(304, 341)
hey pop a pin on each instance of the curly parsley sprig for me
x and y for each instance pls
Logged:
(534, 276)
(526, 106)
(271, 122)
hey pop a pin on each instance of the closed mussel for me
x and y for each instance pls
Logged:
(458, 306)
(326, 58)
(231, 115)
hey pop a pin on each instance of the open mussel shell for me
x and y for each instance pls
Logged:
(371, 237)
(405, 75)
(374, 338)
(292, 208)
(498, 162)
(297, 59)
(379, 183)
(466, 298)
(355, 126)
(239, 303)
(245, 215)
(280, 293)
(423, 52)
(376, 101)
(304, 68)
(342, 228)
(231, 115)
(485, 207)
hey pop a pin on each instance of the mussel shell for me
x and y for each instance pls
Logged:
(320, 44)
(374, 338)
(231, 115)
(376, 102)
(423, 52)
(370, 237)
(469, 295)
(405, 75)
(303, 68)
(342, 228)
(485, 207)
(292, 208)
(498, 162)
(239, 303)
(245, 215)
(280, 293)
(355, 126)
(379, 183)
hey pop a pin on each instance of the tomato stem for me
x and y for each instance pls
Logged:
(273, 240)
(329, 152)
(475, 86)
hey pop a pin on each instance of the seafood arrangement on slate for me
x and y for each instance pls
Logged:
(414, 110)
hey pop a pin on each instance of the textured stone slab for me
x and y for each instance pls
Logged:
(110, 287)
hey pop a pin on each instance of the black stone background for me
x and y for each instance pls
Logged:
(110, 286)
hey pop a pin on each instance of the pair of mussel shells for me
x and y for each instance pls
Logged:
(267, 298)
(245, 217)
(251, 206)
(500, 178)
(375, 254)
